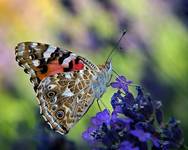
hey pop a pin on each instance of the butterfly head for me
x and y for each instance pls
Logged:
(108, 67)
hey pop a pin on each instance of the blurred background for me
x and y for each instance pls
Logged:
(154, 54)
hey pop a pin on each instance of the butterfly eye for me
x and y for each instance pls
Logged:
(51, 94)
(60, 114)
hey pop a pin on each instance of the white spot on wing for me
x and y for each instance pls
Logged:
(20, 53)
(48, 116)
(21, 47)
(40, 109)
(81, 73)
(51, 86)
(32, 72)
(36, 63)
(49, 51)
(44, 117)
(50, 125)
(33, 45)
(67, 93)
(26, 66)
(67, 75)
(60, 131)
(72, 54)
(68, 59)
(47, 81)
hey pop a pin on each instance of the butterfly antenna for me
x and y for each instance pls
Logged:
(115, 47)
(115, 72)
(99, 105)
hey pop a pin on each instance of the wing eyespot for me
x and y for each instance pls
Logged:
(51, 94)
(60, 114)
(54, 108)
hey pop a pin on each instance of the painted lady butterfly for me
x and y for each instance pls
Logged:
(66, 85)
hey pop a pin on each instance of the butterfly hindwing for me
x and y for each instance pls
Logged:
(65, 97)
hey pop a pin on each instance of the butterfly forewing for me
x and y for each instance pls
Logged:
(42, 60)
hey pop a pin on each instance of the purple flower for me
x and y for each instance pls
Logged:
(96, 132)
(172, 134)
(121, 83)
(90, 135)
(134, 122)
(155, 141)
(118, 123)
(141, 135)
(101, 117)
(126, 145)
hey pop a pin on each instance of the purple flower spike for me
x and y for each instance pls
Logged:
(134, 122)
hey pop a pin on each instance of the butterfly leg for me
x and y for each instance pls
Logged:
(99, 104)
(108, 84)
(103, 106)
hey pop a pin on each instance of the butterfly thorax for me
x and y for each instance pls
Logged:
(102, 80)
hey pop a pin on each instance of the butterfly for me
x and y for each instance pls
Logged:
(66, 84)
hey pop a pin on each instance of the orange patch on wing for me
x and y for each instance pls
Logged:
(53, 68)
(78, 66)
